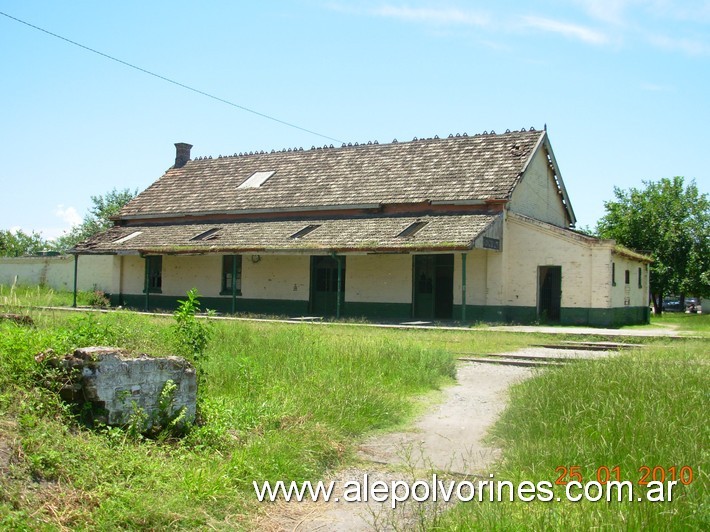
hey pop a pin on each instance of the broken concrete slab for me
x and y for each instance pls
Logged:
(121, 386)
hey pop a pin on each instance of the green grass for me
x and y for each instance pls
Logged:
(15, 298)
(696, 324)
(282, 402)
(291, 401)
(645, 408)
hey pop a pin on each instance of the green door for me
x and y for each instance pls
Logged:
(550, 293)
(324, 285)
(433, 287)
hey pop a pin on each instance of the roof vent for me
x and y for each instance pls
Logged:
(412, 229)
(210, 234)
(305, 231)
(182, 154)
(127, 237)
(256, 179)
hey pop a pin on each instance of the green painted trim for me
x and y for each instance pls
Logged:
(76, 275)
(280, 307)
(463, 287)
(595, 317)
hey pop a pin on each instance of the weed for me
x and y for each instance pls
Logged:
(192, 336)
(98, 299)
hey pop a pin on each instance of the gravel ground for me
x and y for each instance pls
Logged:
(448, 438)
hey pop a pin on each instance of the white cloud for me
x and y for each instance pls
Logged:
(610, 11)
(434, 15)
(574, 31)
(687, 46)
(655, 87)
(68, 215)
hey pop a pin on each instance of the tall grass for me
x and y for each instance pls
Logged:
(18, 297)
(648, 408)
(282, 402)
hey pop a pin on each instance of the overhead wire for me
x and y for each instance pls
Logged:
(164, 78)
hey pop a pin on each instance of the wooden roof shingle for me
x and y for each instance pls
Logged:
(460, 168)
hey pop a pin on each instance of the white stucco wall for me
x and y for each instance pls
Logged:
(537, 195)
(132, 274)
(94, 272)
(182, 273)
(378, 278)
(276, 277)
(623, 295)
(585, 266)
(476, 277)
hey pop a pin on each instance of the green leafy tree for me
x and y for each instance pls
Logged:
(670, 221)
(18, 243)
(97, 219)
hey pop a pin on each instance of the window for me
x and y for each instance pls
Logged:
(412, 229)
(640, 279)
(154, 273)
(613, 274)
(231, 275)
(256, 179)
(627, 277)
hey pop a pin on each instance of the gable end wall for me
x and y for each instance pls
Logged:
(537, 195)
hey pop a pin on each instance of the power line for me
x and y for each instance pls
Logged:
(125, 63)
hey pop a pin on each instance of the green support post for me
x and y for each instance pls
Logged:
(76, 274)
(234, 284)
(463, 287)
(340, 285)
(147, 283)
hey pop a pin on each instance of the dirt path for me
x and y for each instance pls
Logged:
(448, 440)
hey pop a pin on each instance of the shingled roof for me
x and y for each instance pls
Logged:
(384, 233)
(455, 169)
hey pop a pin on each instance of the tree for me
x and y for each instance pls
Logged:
(671, 222)
(97, 219)
(17, 243)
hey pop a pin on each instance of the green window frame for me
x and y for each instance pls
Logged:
(231, 272)
(154, 274)
(640, 278)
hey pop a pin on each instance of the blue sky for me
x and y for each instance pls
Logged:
(623, 86)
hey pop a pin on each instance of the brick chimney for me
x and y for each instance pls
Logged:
(182, 154)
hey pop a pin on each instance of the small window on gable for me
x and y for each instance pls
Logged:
(412, 230)
(127, 237)
(257, 179)
(210, 234)
(627, 277)
(613, 274)
(640, 279)
(303, 232)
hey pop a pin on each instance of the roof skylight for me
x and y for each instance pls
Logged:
(305, 231)
(412, 229)
(128, 237)
(257, 179)
(206, 235)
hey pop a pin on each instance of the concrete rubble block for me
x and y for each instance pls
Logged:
(120, 385)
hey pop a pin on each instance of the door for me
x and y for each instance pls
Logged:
(549, 297)
(324, 285)
(433, 287)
